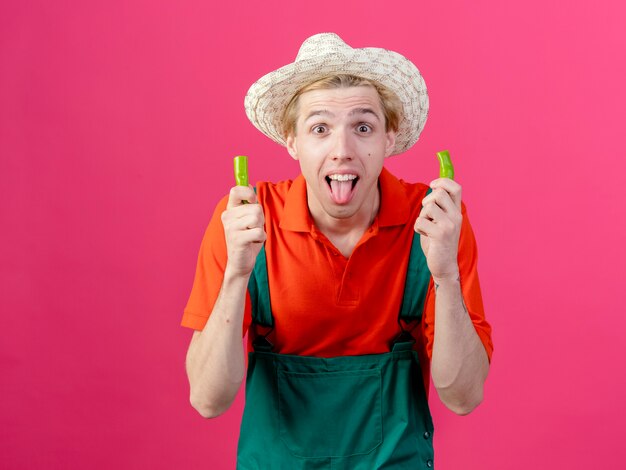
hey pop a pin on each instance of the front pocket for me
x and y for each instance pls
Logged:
(330, 414)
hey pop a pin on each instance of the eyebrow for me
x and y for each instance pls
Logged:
(321, 112)
(364, 111)
(325, 112)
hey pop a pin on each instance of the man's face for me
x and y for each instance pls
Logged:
(341, 143)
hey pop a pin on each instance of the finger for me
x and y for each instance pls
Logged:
(423, 226)
(420, 231)
(245, 215)
(246, 222)
(451, 187)
(239, 194)
(253, 235)
(433, 212)
(442, 199)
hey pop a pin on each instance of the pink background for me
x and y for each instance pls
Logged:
(117, 127)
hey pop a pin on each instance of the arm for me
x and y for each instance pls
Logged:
(215, 358)
(459, 363)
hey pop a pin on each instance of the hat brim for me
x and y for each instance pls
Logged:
(268, 97)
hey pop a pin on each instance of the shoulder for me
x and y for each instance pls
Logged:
(400, 196)
(414, 189)
(399, 187)
(275, 198)
(273, 193)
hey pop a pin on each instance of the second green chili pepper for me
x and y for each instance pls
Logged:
(240, 164)
(446, 170)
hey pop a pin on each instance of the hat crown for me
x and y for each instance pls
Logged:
(322, 43)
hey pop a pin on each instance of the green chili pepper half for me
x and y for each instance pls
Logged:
(241, 170)
(446, 170)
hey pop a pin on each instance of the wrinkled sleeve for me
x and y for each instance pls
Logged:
(470, 287)
(209, 275)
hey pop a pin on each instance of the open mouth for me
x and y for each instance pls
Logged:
(342, 187)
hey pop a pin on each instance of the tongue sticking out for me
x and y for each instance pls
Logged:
(341, 191)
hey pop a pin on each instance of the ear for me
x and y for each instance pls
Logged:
(390, 143)
(291, 146)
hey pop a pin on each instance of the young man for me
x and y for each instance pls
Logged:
(355, 287)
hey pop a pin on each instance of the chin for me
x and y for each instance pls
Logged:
(341, 212)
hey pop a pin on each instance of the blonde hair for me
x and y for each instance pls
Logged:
(391, 104)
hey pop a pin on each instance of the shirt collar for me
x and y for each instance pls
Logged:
(394, 206)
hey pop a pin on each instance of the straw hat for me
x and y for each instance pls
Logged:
(326, 54)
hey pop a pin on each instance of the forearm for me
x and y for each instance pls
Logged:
(459, 364)
(215, 359)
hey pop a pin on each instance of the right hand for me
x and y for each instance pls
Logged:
(243, 229)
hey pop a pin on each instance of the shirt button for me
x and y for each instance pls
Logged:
(429, 463)
(426, 435)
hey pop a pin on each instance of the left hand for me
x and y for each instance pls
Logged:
(439, 225)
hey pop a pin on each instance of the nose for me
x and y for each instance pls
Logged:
(342, 146)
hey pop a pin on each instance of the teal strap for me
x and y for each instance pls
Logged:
(258, 286)
(417, 281)
(402, 345)
(259, 289)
